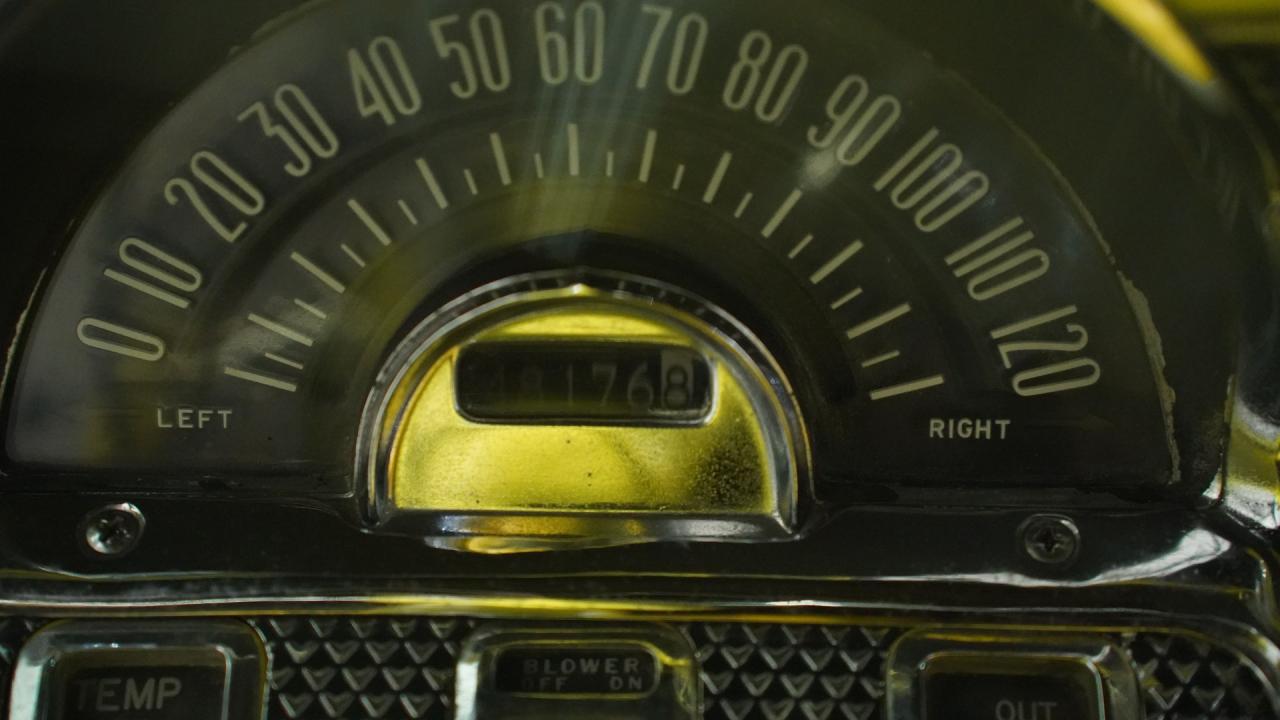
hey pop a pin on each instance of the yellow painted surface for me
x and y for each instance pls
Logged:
(441, 461)
(1156, 25)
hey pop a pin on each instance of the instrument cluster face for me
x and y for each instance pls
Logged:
(686, 271)
(941, 296)
(633, 358)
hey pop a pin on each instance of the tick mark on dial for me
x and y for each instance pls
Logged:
(880, 320)
(311, 308)
(907, 387)
(259, 379)
(575, 162)
(646, 156)
(884, 357)
(781, 214)
(375, 228)
(355, 257)
(281, 329)
(500, 158)
(408, 212)
(835, 262)
(717, 178)
(317, 272)
(284, 361)
(433, 185)
(845, 298)
(800, 246)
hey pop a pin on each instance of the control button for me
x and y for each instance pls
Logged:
(111, 684)
(1061, 690)
(561, 672)
(601, 671)
(1011, 675)
(134, 670)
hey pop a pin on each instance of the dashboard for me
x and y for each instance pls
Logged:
(612, 359)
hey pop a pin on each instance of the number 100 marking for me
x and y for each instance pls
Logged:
(932, 184)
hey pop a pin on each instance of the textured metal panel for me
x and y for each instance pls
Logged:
(1186, 678)
(392, 668)
(362, 667)
(791, 671)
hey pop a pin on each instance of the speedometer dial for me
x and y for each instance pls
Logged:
(942, 303)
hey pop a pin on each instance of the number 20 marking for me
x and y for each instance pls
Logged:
(217, 176)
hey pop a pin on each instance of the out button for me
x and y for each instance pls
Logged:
(1013, 674)
(972, 688)
(134, 670)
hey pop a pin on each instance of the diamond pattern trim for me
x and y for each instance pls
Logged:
(401, 668)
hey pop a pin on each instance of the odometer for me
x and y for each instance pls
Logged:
(562, 381)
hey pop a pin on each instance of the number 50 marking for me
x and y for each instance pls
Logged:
(484, 62)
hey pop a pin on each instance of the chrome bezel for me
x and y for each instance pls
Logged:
(239, 646)
(762, 377)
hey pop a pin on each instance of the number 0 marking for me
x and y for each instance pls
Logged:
(120, 340)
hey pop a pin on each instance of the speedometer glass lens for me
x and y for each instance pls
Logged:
(898, 269)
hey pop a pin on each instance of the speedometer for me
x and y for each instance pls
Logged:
(552, 308)
(938, 295)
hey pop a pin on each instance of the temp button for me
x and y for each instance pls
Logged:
(112, 685)
(140, 670)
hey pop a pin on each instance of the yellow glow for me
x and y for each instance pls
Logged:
(1156, 26)
(441, 461)
(568, 325)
